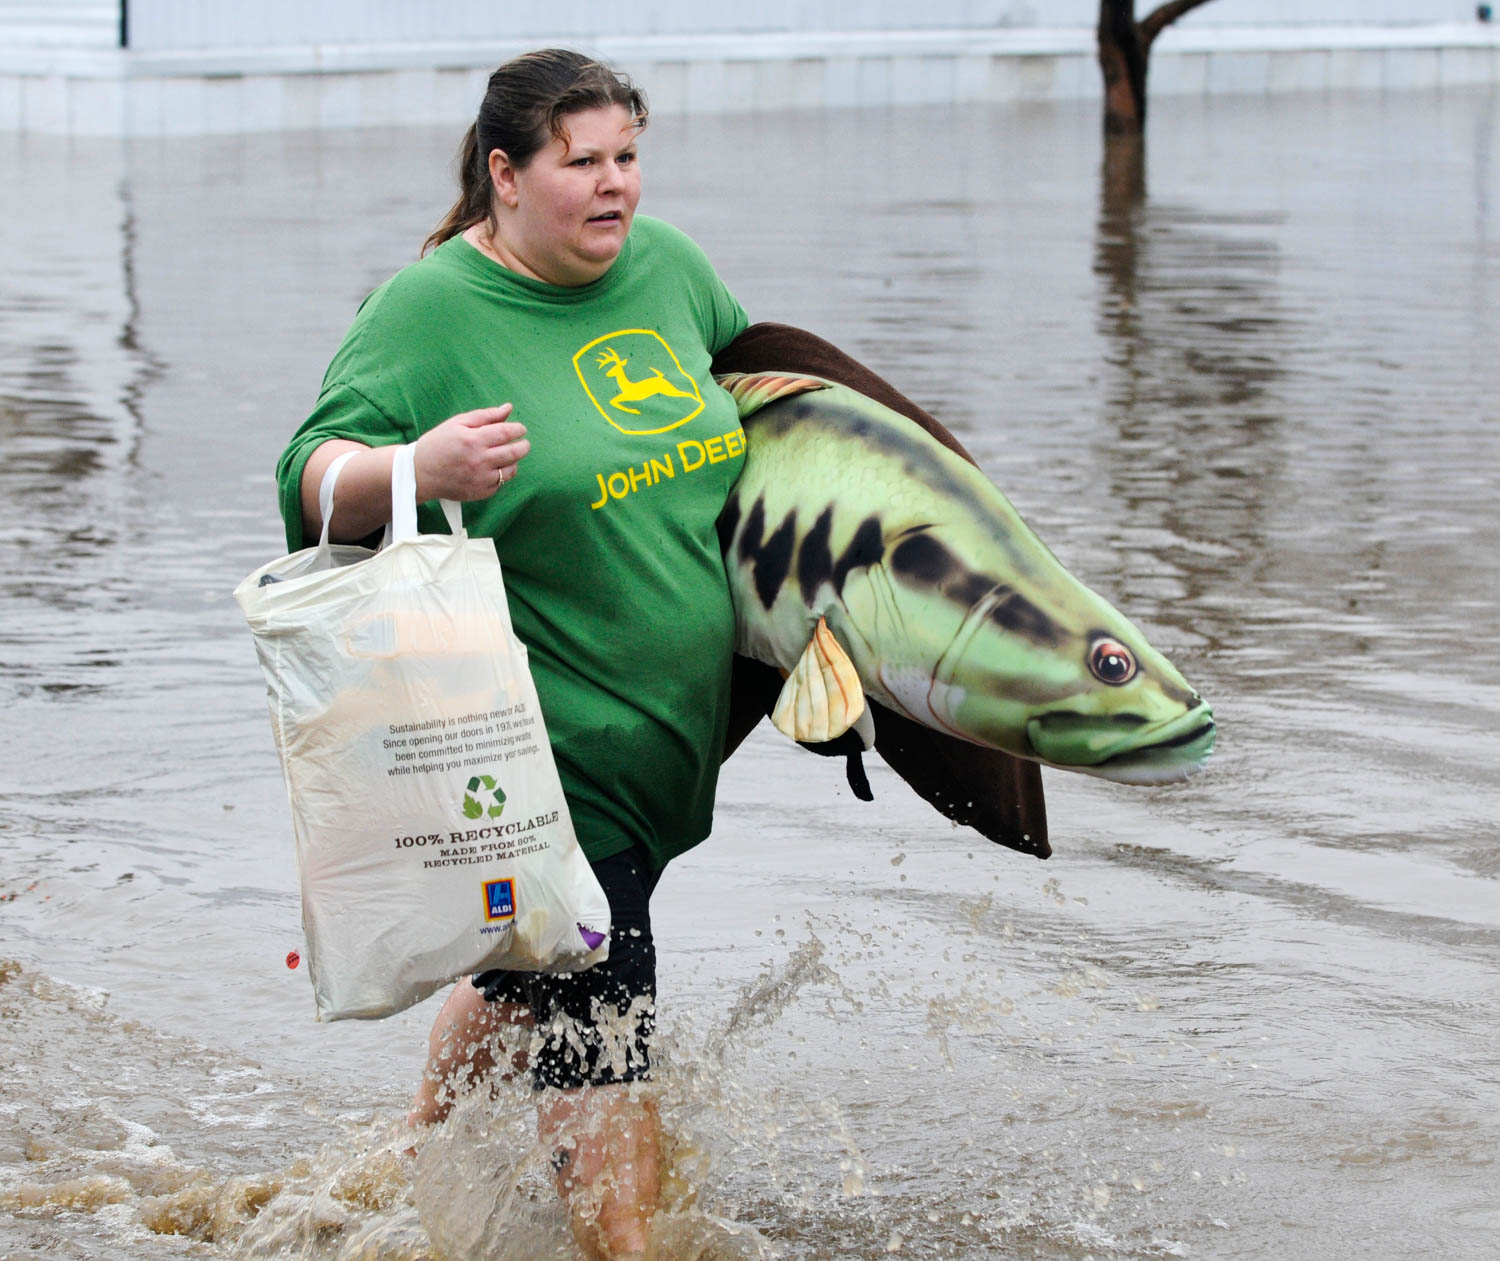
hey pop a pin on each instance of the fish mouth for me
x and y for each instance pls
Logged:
(1125, 748)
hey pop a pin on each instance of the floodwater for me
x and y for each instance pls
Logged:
(1253, 398)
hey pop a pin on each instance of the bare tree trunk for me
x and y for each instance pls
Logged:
(1124, 53)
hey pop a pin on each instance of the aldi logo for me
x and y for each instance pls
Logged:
(499, 899)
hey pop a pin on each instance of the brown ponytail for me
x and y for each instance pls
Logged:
(473, 204)
(525, 105)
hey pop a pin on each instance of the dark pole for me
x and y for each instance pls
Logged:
(1122, 58)
(124, 23)
(1124, 51)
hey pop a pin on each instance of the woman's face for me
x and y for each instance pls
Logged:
(563, 217)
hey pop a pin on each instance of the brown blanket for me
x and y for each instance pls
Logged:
(997, 795)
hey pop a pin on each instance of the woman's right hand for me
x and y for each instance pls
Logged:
(469, 456)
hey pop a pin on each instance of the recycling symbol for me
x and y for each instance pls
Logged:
(484, 798)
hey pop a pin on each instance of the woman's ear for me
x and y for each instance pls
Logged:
(503, 178)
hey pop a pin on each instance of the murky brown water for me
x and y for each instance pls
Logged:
(1256, 403)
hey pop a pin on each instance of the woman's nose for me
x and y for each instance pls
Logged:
(611, 177)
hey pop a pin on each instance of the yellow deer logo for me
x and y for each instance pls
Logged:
(636, 382)
(635, 391)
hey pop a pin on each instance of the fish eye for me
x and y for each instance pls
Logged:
(1111, 662)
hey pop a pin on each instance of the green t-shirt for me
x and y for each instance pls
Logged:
(606, 535)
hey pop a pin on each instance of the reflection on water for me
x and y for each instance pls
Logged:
(1190, 312)
(71, 385)
(1244, 383)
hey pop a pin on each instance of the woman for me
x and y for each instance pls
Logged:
(550, 325)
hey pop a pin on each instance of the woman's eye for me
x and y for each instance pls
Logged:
(1111, 662)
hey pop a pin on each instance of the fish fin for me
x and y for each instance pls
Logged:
(752, 391)
(859, 782)
(822, 697)
(864, 727)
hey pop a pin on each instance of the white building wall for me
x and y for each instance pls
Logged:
(1293, 12)
(197, 67)
(196, 24)
(59, 23)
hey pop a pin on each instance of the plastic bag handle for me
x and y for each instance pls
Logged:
(404, 499)
(325, 493)
(403, 523)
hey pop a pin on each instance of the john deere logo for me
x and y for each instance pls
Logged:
(635, 381)
(484, 798)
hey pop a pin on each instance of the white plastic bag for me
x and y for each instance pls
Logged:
(432, 835)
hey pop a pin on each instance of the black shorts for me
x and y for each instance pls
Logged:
(595, 1026)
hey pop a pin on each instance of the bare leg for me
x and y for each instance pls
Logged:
(461, 1050)
(606, 1148)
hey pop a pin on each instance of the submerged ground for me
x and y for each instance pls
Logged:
(1255, 403)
